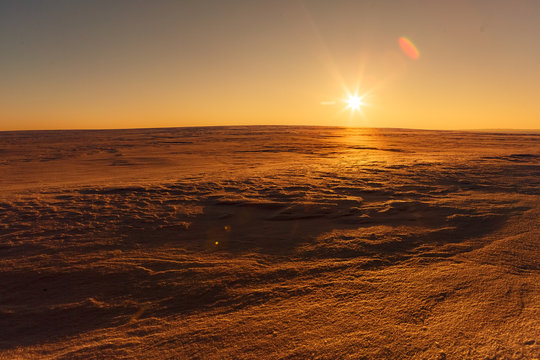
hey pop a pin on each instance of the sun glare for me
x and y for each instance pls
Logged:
(354, 102)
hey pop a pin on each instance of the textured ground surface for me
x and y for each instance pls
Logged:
(269, 242)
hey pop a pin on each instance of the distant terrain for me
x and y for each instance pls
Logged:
(269, 242)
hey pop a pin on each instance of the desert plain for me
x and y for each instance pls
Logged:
(269, 242)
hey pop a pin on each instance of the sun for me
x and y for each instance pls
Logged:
(354, 102)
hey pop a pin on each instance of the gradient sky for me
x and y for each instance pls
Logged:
(125, 64)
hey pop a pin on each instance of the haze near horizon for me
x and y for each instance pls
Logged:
(406, 64)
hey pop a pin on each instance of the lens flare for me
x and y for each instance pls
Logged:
(408, 48)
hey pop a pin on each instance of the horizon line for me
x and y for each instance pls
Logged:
(509, 130)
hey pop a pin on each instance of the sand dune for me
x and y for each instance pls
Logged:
(269, 242)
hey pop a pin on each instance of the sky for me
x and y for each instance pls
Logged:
(131, 64)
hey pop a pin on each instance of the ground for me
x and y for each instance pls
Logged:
(269, 243)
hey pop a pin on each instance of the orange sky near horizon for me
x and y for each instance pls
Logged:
(132, 64)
